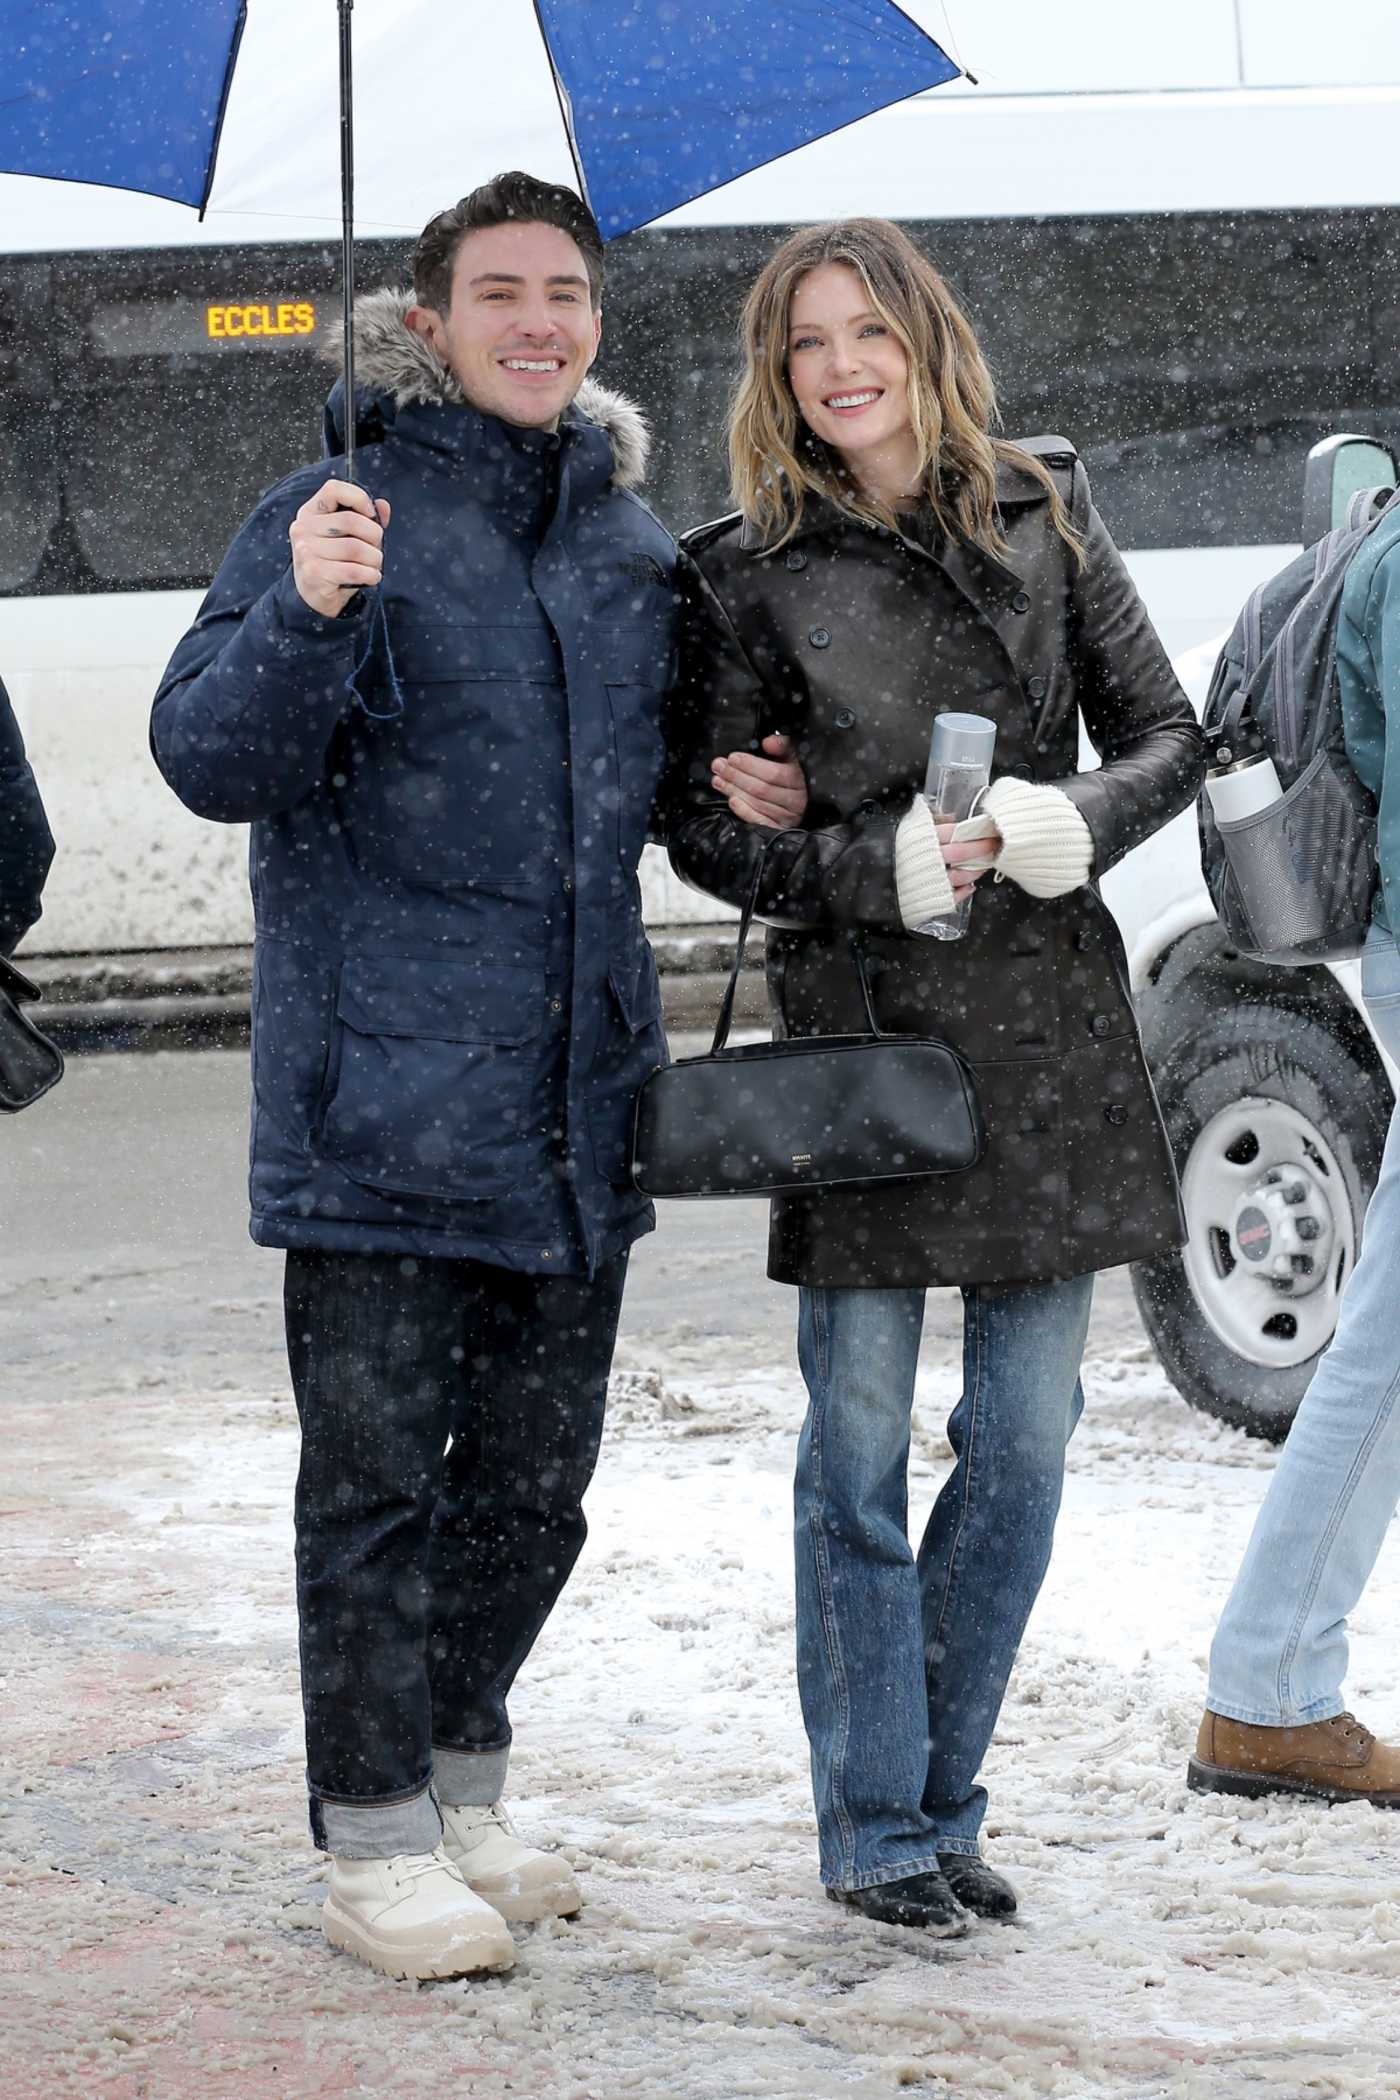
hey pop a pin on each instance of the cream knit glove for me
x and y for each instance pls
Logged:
(1047, 849)
(920, 872)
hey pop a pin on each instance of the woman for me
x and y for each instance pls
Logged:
(891, 559)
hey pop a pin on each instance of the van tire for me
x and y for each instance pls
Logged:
(1333, 1113)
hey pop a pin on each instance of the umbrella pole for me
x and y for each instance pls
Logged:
(347, 226)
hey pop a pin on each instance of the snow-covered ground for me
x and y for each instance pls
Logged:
(158, 1925)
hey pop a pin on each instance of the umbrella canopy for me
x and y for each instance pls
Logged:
(648, 103)
(670, 101)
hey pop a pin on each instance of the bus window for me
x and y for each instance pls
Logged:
(1231, 487)
(28, 493)
(1193, 359)
(193, 381)
(670, 341)
(29, 482)
(161, 474)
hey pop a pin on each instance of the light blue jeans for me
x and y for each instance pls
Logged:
(1280, 1652)
(902, 1661)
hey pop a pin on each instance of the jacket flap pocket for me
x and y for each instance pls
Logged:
(635, 655)
(437, 652)
(451, 1002)
(637, 989)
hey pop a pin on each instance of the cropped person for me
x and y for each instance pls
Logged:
(1275, 1718)
(26, 843)
(891, 559)
(441, 712)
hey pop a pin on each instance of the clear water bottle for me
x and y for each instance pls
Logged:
(959, 767)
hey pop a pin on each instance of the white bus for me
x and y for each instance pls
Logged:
(1190, 270)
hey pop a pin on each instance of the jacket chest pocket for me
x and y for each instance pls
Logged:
(636, 669)
(433, 1075)
(455, 789)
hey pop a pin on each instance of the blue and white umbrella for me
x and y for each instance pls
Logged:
(656, 101)
(245, 106)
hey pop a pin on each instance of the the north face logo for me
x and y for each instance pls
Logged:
(645, 568)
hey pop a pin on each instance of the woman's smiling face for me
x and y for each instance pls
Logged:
(847, 369)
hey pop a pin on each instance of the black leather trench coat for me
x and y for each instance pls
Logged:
(852, 639)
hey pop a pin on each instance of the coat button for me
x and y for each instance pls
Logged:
(795, 560)
(868, 809)
(1022, 772)
(845, 718)
(556, 1006)
(820, 637)
(1115, 1113)
(1102, 1024)
(1021, 602)
(1037, 688)
(1084, 940)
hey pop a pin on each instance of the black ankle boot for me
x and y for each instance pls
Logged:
(976, 1886)
(924, 1900)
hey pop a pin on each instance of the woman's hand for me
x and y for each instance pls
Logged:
(769, 791)
(968, 857)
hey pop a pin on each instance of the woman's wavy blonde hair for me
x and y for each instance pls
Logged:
(776, 461)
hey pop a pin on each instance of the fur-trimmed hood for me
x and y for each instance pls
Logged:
(391, 359)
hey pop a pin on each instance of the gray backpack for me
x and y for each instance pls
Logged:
(1294, 883)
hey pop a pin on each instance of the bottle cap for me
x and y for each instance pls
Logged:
(962, 740)
(1238, 746)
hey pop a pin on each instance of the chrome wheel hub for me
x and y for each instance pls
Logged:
(1283, 1229)
(1271, 1234)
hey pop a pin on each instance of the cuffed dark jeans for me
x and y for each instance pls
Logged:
(451, 1415)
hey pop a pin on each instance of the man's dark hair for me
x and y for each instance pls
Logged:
(513, 198)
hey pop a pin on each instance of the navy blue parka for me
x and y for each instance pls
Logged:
(449, 787)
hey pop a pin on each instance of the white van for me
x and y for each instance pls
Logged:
(1189, 271)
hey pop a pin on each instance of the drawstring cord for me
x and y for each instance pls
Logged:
(378, 632)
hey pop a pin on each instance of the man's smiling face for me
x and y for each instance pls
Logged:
(521, 330)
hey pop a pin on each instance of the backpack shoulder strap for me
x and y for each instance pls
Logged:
(1367, 507)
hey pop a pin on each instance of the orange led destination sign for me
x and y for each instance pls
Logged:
(289, 317)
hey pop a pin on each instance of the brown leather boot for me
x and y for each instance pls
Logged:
(1336, 1760)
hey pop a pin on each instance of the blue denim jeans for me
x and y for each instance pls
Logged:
(1280, 1652)
(902, 1660)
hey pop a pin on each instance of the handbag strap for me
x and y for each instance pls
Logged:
(15, 984)
(726, 1011)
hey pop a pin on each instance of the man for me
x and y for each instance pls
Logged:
(1275, 1720)
(442, 717)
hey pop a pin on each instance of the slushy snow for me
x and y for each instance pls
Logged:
(158, 1930)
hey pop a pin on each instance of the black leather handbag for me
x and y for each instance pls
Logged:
(29, 1063)
(809, 1112)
